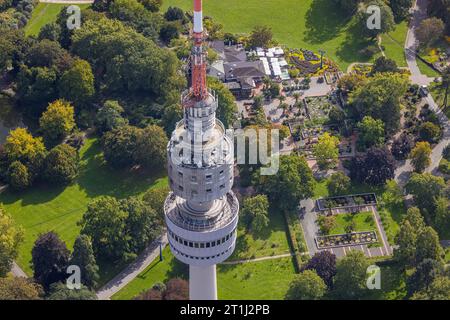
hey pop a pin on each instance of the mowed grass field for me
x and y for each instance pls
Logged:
(43, 14)
(48, 208)
(310, 24)
(254, 280)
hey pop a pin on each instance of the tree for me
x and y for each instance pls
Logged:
(338, 183)
(429, 31)
(83, 257)
(401, 148)
(438, 290)
(148, 67)
(406, 241)
(143, 224)
(77, 83)
(375, 168)
(119, 146)
(380, 99)
(61, 164)
(151, 151)
(420, 156)
(21, 146)
(152, 5)
(324, 264)
(10, 240)
(227, 109)
(50, 31)
(293, 182)
(430, 132)
(424, 275)
(326, 151)
(306, 286)
(170, 30)
(176, 289)
(350, 81)
(174, 14)
(57, 121)
(350, 278)
(155, 199)
(348, 5)
(393, 194)
(50, 258)
(261, 36)
(371, 132)
(18, 176)
(109, 116)
(383, 64)
(255, 212)
(17, 288)
(171, 115)
(59, 291)
(104, 222)
(400, 8)
(425, 188)
(442, 214)
(387, 18)
(428, 246)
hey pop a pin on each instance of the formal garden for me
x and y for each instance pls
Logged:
(303, 62)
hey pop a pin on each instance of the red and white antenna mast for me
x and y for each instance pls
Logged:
(198, 57)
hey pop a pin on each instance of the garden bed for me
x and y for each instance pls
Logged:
(349, 201)
(347, 239)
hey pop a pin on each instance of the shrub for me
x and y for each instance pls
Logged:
(17, 176)
(61, 164)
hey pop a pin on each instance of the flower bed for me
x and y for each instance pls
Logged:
(348, 201)
(348, 239)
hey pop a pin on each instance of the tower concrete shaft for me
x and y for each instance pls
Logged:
(201, 212)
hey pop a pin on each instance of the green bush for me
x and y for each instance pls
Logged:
(17, 176)
(444, 166)
(61, 164)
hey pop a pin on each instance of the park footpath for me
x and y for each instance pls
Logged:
(133, 269)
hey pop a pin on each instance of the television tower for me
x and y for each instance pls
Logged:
(201, 212)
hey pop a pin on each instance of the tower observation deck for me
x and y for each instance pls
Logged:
(201, 212)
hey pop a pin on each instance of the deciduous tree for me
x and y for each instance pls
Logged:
(306, 286)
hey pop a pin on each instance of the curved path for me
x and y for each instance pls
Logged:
(132, 270)
(411, 44)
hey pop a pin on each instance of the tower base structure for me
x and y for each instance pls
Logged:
(202, 283)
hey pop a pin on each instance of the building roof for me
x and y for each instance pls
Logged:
(254, 69)
(234, 54)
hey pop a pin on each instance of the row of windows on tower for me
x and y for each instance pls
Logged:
(201, 245)
(200, 258)
(208, 177)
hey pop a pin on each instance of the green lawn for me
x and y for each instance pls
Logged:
(255, 280)
(43, 14)
(271, 241)
(311, 24)
(363, 222)
(157, 271)
(426, 70)
(44, 208)
(394, 42)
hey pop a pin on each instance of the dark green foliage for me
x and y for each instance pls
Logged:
(324, 263)
(169, 31)
(338, 184)
(383, 64)
(83, 257)
(402, 146)
(255, 212)
(119, 146)
(350, 278)
(18, 176)
(424, 275)
(61, 164)
(59, 291)
(50, 258)
(374, 168)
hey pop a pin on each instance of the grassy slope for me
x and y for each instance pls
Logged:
(312, 24)
(44, 208)
(256, 280)
(394, 43)
(271, 241)
(43, 14)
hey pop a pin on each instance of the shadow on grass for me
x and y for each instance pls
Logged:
(177, 270)
(324, 21)
(350, 49)
(39, 193)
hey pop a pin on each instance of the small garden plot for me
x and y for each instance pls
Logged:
(349, 201)
(340, 240)
(304, 62)
(362, 68)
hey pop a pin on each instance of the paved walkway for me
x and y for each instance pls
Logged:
(17, 271)
(132, 270)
